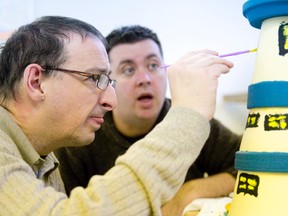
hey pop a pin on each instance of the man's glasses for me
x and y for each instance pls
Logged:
(101, 80)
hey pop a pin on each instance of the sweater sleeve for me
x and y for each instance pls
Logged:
(143, 179)
(167, 152)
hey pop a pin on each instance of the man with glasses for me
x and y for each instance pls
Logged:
(101, 80)
(54, 92)
(136, 58)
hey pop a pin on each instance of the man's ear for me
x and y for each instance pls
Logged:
(32, 81)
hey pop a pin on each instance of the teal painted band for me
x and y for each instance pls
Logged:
(262, 161)
(256, 11)
(268, 94)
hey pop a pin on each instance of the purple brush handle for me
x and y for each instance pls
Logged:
(234, 53)
(224, 55)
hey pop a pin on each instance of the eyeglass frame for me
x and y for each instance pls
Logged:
(95, 77)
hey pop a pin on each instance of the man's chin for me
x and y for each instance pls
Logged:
(87, 141)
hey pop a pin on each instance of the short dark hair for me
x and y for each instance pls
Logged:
(40, 42)
(131, 34)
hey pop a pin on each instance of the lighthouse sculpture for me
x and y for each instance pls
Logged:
(261, 187)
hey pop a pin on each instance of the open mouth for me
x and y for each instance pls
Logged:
(145, 97)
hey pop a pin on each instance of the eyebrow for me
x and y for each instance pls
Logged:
(128, 61)
(152, 56)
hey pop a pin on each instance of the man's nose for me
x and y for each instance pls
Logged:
(143, 78)
(108, 99)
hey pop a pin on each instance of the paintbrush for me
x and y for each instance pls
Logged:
(226, 55)
(238, 53)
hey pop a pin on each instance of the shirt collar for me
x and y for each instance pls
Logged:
(39, 165)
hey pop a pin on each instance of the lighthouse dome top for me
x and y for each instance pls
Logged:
(256, 11)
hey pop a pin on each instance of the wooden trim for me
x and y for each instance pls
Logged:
(241, 98)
